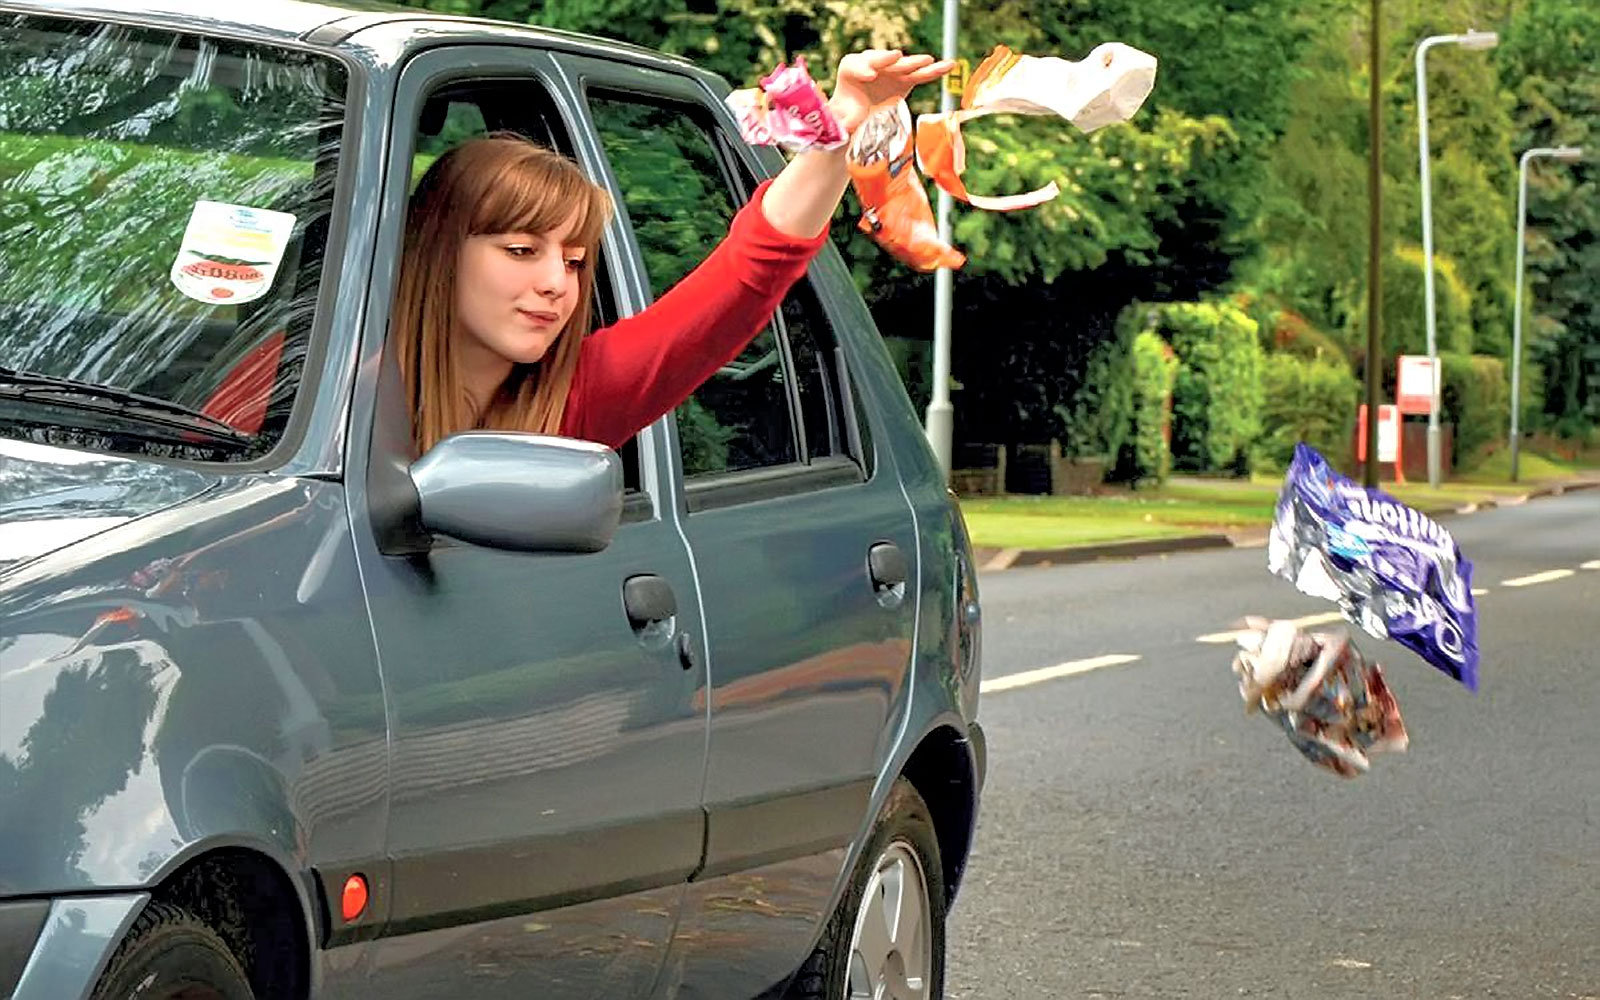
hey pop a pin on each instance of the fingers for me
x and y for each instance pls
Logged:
(892, 68)
(919, 69)
(932, 72)
(896, 62)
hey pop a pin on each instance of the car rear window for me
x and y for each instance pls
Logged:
(164, 204)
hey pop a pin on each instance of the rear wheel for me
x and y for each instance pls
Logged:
(886, 940)
(171, 954)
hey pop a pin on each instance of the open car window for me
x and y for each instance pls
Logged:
(164, 203)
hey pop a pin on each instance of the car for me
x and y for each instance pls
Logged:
(285, 712)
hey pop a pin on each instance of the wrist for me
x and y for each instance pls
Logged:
(848, 114)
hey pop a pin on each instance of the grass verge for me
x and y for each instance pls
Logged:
(1191, 506)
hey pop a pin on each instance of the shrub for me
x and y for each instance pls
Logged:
(1307, 400)
(1100, 418)
(1475, 396)
(1145, 452)
(1216, 399)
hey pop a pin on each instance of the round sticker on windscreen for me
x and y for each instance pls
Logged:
(230, 253)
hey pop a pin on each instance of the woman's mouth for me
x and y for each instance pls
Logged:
(540, 317)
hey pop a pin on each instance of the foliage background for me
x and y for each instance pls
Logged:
(1244, 177)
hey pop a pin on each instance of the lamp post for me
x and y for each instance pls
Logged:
(1567, 154)
(941, 415)
(1374, 235)
(1471, 40)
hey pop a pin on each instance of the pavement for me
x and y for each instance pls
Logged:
(993, 559)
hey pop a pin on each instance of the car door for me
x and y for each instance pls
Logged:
(547, 740)
(804, 551)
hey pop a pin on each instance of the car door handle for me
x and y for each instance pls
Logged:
(648, 600)
(887, 565)
(652, 608)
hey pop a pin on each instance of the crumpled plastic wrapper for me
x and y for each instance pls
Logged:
(894, 205)
(1106, 86)
(1392, 570)
(1332, 703)
(787, 110)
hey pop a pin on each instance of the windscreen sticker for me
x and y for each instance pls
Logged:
(230, 253)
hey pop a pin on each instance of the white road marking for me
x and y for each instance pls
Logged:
(1592, 564)
(1350, 963)
(1043, 674)
(1322, 619)
(1545, 577)
(1479, 591)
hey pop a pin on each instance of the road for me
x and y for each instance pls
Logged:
(1141, 837)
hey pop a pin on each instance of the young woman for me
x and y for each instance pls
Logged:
(492, 314)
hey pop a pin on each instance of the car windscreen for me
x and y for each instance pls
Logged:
(164, 208)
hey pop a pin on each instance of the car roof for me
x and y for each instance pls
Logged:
(324, 22)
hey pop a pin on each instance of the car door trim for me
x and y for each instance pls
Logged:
(540, 873)
(746, 835)
(752, 485)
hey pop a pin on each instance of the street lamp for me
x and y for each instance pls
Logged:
(1475, 40)
(1567, 154)
(941, 415)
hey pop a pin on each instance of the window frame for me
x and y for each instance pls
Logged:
(599, 81)
(452, 66)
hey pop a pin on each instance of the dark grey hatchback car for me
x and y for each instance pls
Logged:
(285, 714)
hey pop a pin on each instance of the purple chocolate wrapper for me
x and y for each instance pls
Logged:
(1392, 570)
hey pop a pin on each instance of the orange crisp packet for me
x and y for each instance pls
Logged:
(1106, 86)
(895, 209)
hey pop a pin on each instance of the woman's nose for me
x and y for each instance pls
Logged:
(550, 279)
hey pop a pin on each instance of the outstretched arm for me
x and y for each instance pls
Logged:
(804, 195)
(635, 370)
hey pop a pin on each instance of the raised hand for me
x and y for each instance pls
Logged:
(876, 77)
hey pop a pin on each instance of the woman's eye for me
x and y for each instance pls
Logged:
(520, 251)
(576, 263)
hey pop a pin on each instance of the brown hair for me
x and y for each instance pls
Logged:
(501, 183)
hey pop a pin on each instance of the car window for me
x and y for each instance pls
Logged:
(467, 109)
(164, 202)
(816, 373)
(781, 401)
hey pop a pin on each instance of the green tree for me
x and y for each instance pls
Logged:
(1550, 59)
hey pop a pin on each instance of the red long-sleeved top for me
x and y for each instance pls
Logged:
(637, 369)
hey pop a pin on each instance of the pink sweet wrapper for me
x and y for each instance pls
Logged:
(787, 110)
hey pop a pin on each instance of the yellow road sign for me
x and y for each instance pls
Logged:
(955, 82)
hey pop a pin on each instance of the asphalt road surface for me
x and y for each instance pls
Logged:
(1141, 837)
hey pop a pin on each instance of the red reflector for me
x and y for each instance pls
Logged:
(355, 897)
(120, 616)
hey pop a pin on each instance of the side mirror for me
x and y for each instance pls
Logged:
(526, 492)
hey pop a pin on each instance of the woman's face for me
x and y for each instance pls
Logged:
(515, 293)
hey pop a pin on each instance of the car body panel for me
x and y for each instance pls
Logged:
(78, 936)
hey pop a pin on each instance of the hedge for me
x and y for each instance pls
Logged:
(1145, 454)
(1216, 399)
(1307, 400)
(1475, 396)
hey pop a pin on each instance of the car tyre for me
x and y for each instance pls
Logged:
(171, 954)
(886, 940)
